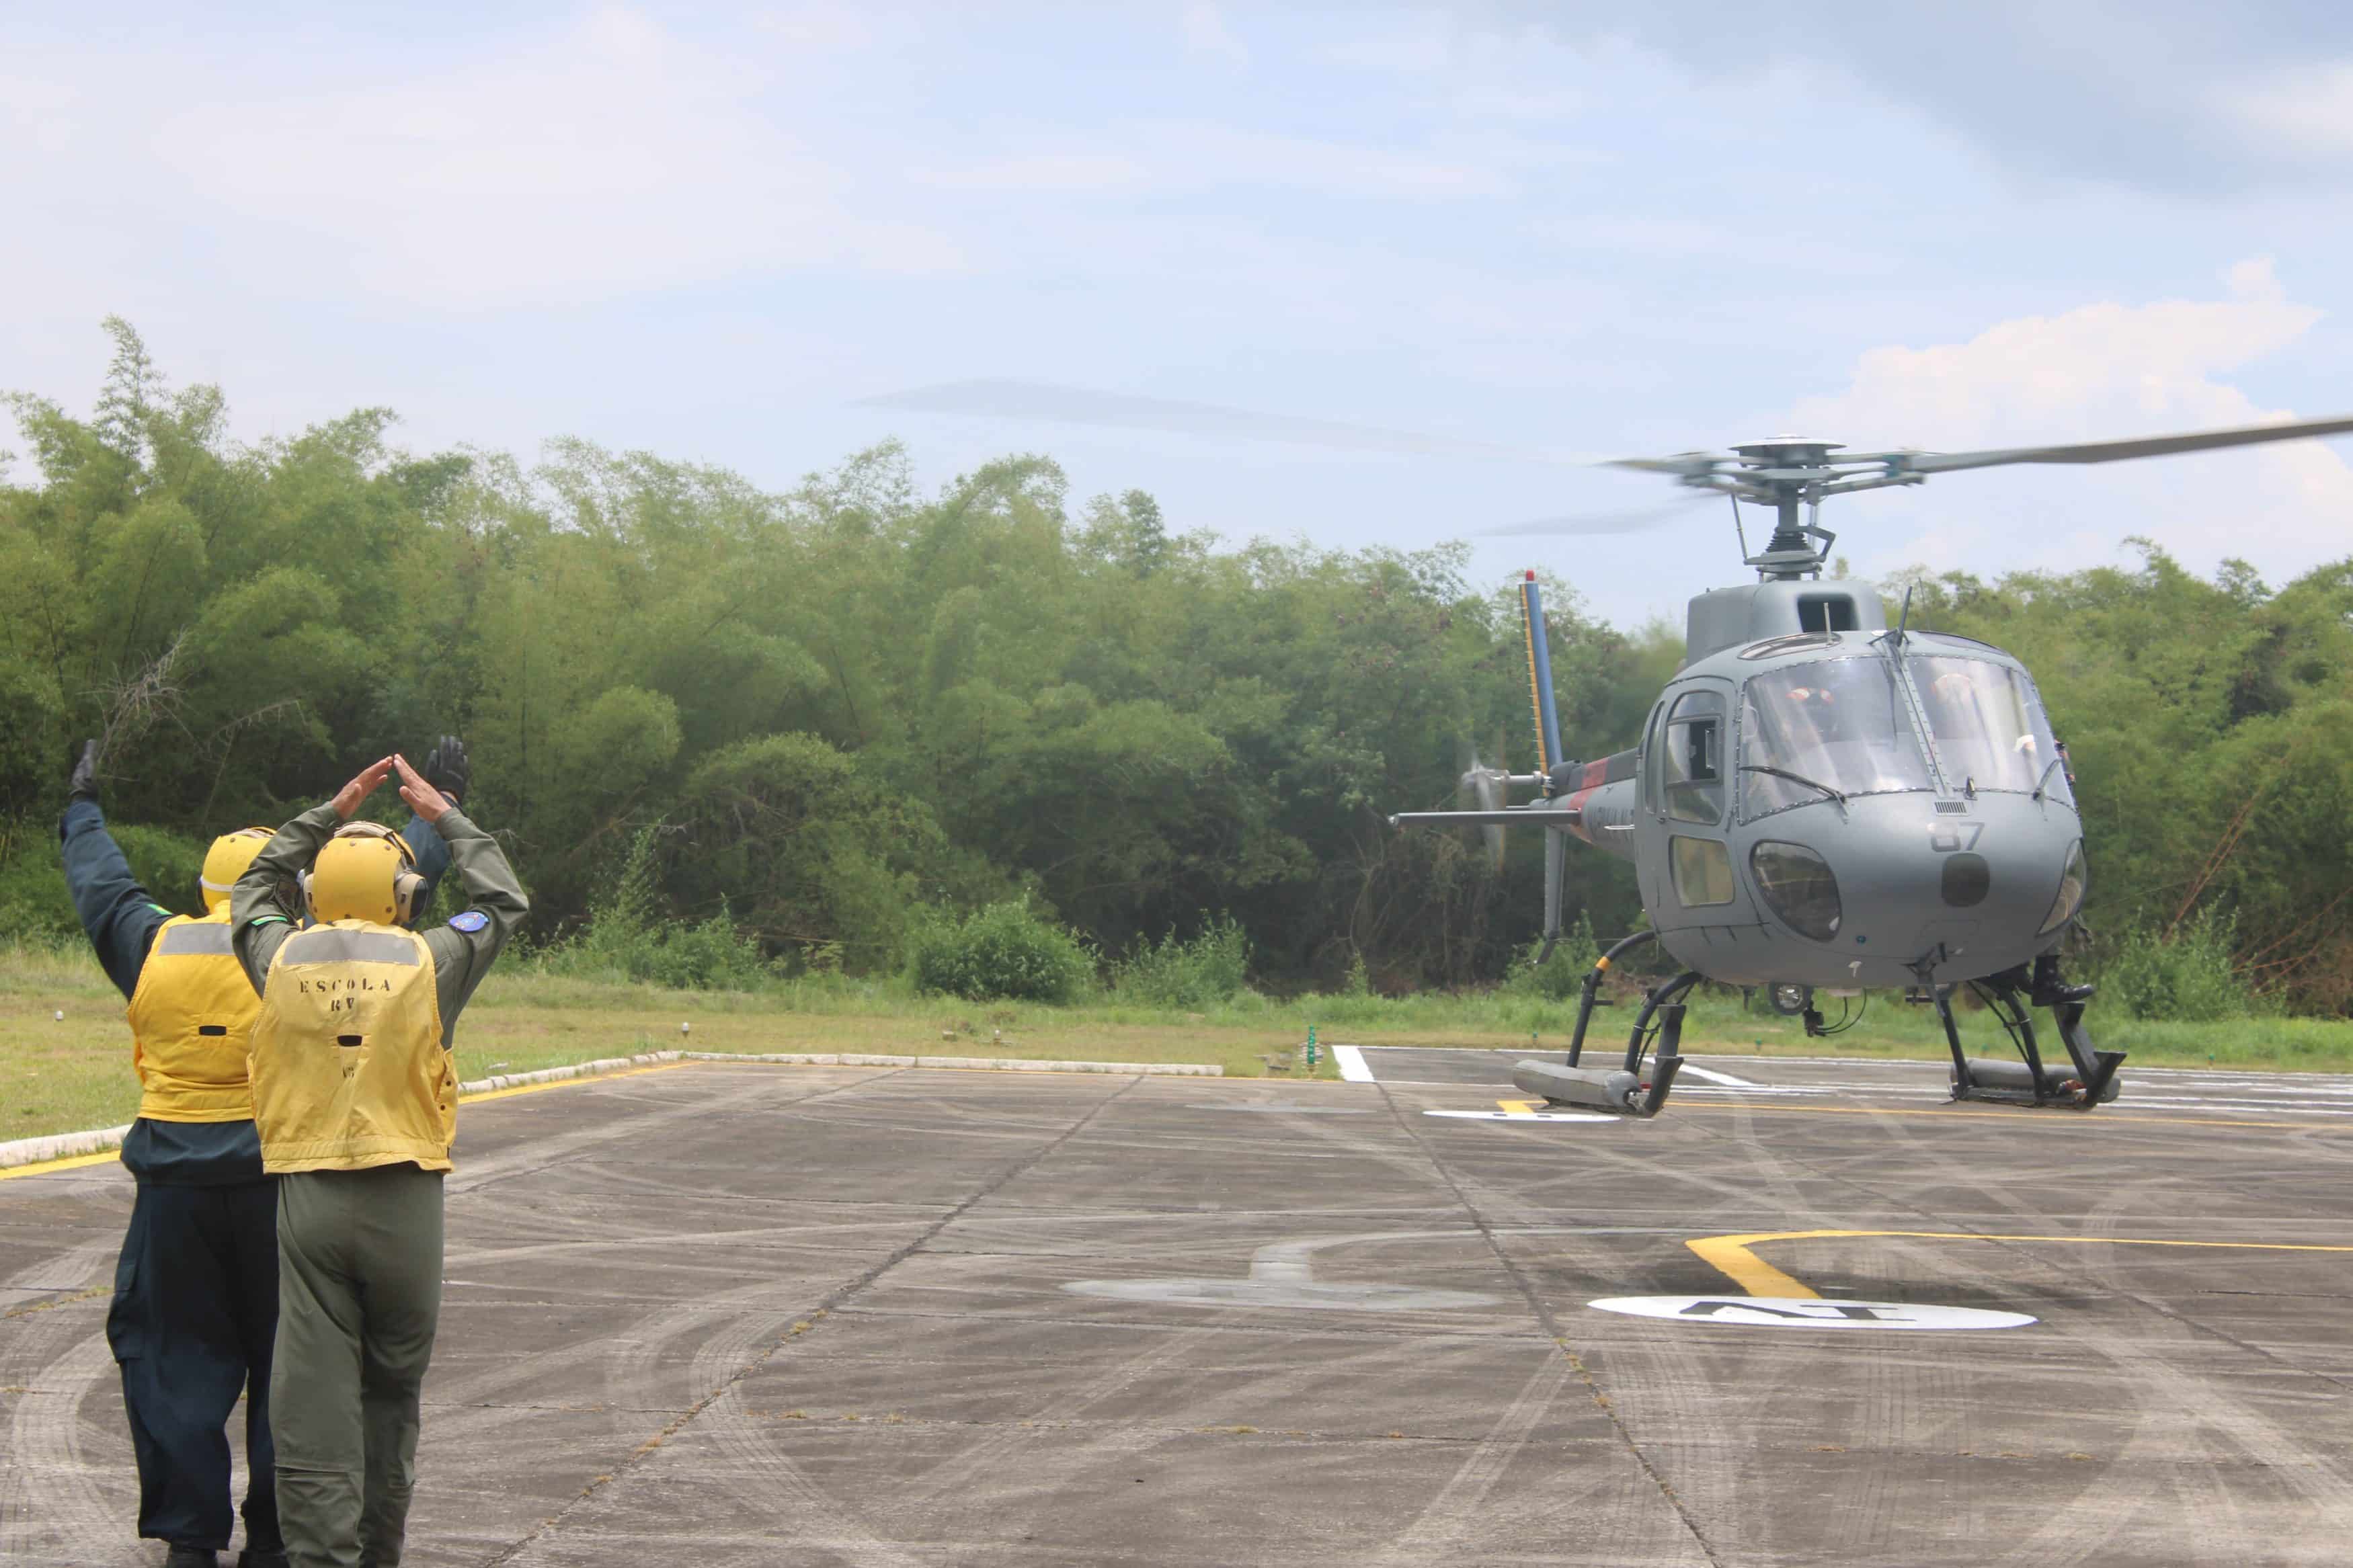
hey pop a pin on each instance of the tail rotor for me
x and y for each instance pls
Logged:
(1485, 788)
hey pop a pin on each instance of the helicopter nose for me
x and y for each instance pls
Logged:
(2005, 877)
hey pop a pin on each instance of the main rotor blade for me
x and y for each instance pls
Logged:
(1681, 464)
(2147, 446)
(1122, 411)
(1608, 523)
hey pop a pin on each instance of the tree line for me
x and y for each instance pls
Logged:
(828, 710)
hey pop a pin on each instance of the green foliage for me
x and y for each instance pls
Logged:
(169, 864)
(853, 702)
(1006, 950)
(1561, 977)
(32, 737)
(1174, 972)
(2186, 978)
(814, 851)
(33, 902)
(626, 936)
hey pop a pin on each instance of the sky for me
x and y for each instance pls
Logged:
(1564, 230)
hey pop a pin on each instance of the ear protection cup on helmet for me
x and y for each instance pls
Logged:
(366, 872)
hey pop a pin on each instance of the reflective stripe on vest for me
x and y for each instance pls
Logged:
(191, 1015)
(349, 1070)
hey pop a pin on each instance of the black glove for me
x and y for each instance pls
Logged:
(84, 785)
(446, 770)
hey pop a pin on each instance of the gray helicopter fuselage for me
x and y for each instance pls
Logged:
(1843, 809)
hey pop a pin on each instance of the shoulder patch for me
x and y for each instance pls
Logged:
(470, 921)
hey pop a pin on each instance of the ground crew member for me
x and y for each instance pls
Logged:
(196, 1288)
(356, 1099)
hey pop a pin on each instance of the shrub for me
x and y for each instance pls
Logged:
(167, 864)
(1197, 974)
(2189, 978)
(33, 899)
(33, 902)
(1006, 950)
(627, 935)
(1561, 977)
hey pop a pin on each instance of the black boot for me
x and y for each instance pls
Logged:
(2047, 989)
(192, 1557)
(249, 1558)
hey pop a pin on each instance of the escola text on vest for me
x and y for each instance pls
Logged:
(190, 1015)
(349, 1071)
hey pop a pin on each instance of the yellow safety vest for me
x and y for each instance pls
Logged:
(190, 1016)
(348, 1068)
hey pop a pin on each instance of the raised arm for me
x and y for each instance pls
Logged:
(260, 918)
(447, 770)
(119, 917)
(464, 948)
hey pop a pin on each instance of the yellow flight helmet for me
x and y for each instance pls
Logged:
(227, 860)
(366, 872)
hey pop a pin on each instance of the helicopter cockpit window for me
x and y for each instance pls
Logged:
(1692, 767)
(1989, 729)
(1839, 724)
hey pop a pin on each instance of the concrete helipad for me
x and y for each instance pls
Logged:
(716, 1315)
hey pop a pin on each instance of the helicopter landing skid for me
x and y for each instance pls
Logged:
(1623, 1090)
(2088, 1078)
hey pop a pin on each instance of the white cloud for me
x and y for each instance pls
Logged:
(1168, 156)
(613, 158)
(1205, 33)
(2306, 110)
(2104, 370)
(1693, 239)
(1060, 172)
(1522, 105)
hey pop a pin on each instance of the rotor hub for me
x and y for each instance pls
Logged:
(1787, 452)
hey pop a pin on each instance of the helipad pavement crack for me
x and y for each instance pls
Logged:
(817, 1314)
(1553, 1328)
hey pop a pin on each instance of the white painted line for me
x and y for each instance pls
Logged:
(1521, 1115)
(1351, 1063)
(1723, 1078)
(1810, 1312)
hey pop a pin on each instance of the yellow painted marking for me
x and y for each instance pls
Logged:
(1519, 1106)
(1535, 699)
(71, 1161)
(1730, 1255)
(569, 1082)
(110, 1156)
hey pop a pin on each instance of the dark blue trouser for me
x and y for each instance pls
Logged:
(194, 1317)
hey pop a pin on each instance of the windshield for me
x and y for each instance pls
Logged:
(1839, 723)
(1990, 732)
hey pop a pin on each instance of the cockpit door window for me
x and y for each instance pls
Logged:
(1691, 769)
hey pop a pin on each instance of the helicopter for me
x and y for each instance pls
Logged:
(1819, 803)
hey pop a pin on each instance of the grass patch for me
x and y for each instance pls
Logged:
(58, 1076)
